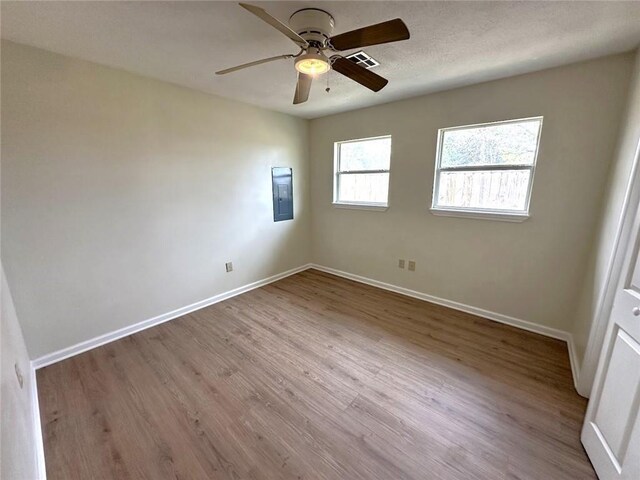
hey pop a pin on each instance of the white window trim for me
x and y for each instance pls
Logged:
(362, 206)
(484, 214)
(336, 177)
(504, 216)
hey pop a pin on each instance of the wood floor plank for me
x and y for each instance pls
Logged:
(316, 377)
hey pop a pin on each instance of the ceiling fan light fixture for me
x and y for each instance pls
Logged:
(312, 64)
(311, 29)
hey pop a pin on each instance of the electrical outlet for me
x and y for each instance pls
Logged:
(400, 263)
(229, 266)
(412, 266)
(19, 375)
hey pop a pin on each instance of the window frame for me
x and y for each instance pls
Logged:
(484, 213)
(382, 206)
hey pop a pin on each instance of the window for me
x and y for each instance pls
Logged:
(486, 170)
(362, 172)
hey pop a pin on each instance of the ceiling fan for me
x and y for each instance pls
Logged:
(310, 29)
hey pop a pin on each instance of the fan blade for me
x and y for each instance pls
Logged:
(251, 64)
(274, 22)
(385, 32)
(302, 88)
(358, 74)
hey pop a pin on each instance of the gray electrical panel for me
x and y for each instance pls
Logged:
(282, 180)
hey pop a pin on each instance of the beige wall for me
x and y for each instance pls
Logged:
(533, 270)
(18, 442)
(123, 197)
(593, 299)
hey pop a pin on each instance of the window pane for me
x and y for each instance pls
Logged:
(502, 144)
(489, 189)
(365, 155)
(363, 187)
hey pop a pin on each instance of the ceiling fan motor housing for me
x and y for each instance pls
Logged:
(312, 24)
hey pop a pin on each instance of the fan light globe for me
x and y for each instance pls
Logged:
(312, 64)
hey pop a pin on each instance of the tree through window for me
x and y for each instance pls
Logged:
(486, 168)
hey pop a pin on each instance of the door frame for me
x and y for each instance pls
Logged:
(615, 263)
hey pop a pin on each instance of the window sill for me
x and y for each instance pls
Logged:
(361, 206)
(480, 215)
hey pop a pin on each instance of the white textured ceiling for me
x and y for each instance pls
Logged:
(452, 43)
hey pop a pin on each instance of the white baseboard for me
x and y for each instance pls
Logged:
(575, 366)
(81, 347)
(498, 317)
(123, 332)
(37, 427)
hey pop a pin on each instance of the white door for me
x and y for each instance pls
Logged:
(611, 431)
